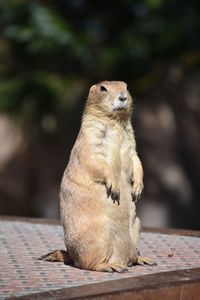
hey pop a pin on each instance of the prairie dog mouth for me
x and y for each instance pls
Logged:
(120, 106)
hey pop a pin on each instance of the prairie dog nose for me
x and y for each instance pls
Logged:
(122, 96)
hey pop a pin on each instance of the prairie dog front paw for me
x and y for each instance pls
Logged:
(137, 190)
(113, 191)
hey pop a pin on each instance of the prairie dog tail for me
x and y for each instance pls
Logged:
(57, 256)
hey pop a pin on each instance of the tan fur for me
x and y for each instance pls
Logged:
(103, 179)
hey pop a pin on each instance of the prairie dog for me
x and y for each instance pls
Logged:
(102, 182)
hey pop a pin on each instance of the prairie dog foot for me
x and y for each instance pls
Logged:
(145, 261)
(113, 191)
(110, 267)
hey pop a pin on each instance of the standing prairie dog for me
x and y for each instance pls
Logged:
(102, 182)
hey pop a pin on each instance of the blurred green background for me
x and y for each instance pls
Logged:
(51, 52)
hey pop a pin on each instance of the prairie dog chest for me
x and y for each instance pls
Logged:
(118, 147)
(126, 152)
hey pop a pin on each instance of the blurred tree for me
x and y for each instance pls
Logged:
(50, 47)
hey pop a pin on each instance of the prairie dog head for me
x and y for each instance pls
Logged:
(110, 98)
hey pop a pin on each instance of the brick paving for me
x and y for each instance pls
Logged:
(22, 243)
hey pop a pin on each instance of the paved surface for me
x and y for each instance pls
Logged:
(22, 274)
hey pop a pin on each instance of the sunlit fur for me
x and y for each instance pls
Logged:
(100, 233)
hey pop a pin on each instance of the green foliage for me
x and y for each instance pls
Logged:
(51, 51)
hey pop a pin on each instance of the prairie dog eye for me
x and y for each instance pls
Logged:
(103, 89)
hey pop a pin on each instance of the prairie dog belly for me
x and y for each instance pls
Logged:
(118, 151)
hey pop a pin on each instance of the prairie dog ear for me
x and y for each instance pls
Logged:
(92, 88)
(125, 85)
